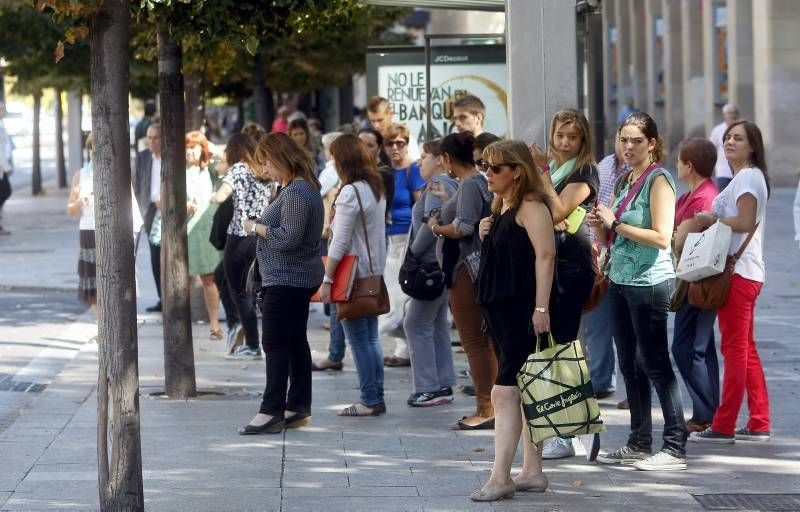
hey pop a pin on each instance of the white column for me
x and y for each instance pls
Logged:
(638, 68)
(673, 72)
(609, 107)
(654, 105)
(710, 83)
(693, 79)
(542, 64)
(74, 136)
(776, 41)
(740, 55)
(624, 41)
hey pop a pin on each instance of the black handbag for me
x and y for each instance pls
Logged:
(421, 281)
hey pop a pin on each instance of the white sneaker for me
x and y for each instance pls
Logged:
(661, 461)
(558, 448)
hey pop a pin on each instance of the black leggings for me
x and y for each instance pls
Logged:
(574, 284)
(240, 252)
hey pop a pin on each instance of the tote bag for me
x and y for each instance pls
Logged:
(557, 395)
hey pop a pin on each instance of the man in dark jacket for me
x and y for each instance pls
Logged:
(148, 195)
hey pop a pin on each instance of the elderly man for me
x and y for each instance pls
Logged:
(148, 195)
(722, 171)
(6, 163)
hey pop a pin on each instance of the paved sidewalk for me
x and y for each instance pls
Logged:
(406, 460)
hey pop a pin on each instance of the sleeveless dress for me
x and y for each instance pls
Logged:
(507, 294)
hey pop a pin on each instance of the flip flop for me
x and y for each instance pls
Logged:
(371, 411)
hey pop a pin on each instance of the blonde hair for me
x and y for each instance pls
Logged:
(516, 154)
(397, 130)
(281, 151)
(578, 120)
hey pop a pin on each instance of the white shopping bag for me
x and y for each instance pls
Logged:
(704, 254)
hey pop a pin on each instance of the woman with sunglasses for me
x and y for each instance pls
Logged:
(639, 232)
(457, 227)
(407, 185)
(514, 288)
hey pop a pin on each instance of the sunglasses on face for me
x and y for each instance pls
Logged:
(399, 144)
(494, 169)
(479, 163)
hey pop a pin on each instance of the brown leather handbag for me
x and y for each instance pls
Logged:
(712, 292)
(601, 281)
(369, 296)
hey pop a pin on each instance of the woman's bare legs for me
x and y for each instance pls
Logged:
(211, 296)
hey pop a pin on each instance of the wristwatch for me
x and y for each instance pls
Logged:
(253, 229)
(327, 279)
(540, 309)
(433, 230)
(614, 225)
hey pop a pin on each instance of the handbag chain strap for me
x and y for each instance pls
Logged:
(364, 224)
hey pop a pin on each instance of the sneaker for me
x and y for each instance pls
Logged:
(661, 461)
(464, 374)
(428, 399)
(245, 352)
(558, 448)
(710, 436)
(745, 434)
(230, 338)
(625, 455)
(468, 390)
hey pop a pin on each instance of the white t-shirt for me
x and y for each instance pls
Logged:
(749, 180)
(721, 168)
(155, 179)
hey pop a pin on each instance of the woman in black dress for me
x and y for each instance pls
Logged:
(514, 284)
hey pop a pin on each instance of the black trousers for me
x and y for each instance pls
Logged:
(155, 250)
(231, 313)
(5, 188)
(240, 252)
(574, 284)
(284, 322)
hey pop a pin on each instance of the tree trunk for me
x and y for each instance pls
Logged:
(195, 100)
(61, 166)
(36, 174)
(346, 102)
(175, 290)
(263, 102)
(120, 478)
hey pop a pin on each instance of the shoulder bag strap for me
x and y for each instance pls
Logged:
(746, 241)
(364, 224)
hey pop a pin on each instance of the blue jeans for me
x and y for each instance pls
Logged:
(368, 356)
(639, 324)
(336, 346)
(696, 358)
(600, 347)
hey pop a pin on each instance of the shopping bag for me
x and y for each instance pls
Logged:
(557, 395)
(704, 254)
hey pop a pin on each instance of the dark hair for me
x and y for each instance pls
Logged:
(150, 109)
(459, 146)
(353, 163)
(701, 153)
(240, 148)
(756, 141)
(281, 151)
(434, 147)
(649, 128)
(471, 103)
(303, 125)
(484, 139)
(375, 133)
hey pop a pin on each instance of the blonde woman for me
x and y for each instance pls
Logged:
(514, 285)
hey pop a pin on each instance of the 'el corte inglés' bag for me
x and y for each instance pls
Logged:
(557, 395)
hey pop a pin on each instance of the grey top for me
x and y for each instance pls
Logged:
(289, 255)
(422, 241)
(464, 211)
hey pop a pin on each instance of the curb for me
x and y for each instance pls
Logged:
(36, 289)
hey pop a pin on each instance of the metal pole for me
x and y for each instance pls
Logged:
(594, 62)
(428, 88)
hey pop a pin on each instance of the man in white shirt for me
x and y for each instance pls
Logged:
(148, 195)
(381, 117)
(722, 171)
(6, 162)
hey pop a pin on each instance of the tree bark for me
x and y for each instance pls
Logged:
(61, 166)
(263, 102)
(195, 100)
(36, 174)
(120, 478)
(179, 373)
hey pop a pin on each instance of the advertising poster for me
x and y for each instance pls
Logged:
(398, 74)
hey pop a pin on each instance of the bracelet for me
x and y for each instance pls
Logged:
(540, 309)
(253, 229)
(433, 230)
(327, 279)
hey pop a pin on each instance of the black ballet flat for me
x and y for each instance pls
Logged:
(300, 419)
(273, 426)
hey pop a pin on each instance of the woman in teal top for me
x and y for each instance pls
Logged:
(638, 229)
(203, 257)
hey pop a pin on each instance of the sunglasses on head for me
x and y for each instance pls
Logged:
(495, 169)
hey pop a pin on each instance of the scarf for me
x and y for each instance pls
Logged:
(562, 173)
